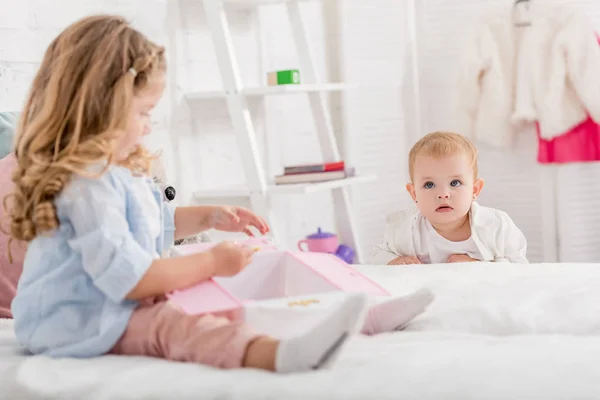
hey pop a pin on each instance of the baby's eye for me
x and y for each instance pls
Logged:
(455, 183)
(429, 185)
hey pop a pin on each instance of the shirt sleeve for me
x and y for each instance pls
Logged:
(102, 238)
(386, 251)
(168, 220)
(515, 243)
(383, 254)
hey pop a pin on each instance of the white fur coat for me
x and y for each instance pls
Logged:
(547, 72)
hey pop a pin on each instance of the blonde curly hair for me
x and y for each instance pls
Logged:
(77, 108)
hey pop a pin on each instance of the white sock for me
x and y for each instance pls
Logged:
(394, 313)
(320, 346)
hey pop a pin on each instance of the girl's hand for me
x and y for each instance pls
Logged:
(229, 259)
(456, 258)
(150, 301)
(237, 219)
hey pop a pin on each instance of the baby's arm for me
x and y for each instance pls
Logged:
(405, 260)
(387, 253)
(384, 253)
(515, 243)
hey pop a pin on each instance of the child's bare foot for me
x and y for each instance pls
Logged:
(260, 353)
(394, 313)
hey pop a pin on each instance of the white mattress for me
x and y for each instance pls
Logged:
(495, 331)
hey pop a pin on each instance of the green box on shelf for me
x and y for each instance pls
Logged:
(284, 77)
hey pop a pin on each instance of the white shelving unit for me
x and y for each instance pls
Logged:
(272, 90)
(300, 188)
(236, 94)
(260, 2)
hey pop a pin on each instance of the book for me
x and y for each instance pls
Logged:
(285, 77)
(313, 177)
(310, 168)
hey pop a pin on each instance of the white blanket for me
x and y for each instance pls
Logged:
(495, 331)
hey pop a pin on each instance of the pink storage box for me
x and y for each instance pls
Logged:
(273, 274)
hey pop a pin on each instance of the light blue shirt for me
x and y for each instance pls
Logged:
(71, 296)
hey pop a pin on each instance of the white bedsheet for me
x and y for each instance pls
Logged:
(495, 331)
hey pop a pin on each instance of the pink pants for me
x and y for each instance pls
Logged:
(162, 330)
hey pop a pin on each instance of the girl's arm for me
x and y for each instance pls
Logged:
(112, 257)
(166, 275)
(191, 220)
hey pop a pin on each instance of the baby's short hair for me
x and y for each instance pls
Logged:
(442, 144)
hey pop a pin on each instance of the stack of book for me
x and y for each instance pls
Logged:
(311, 173)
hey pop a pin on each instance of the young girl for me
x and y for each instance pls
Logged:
(93, 281)
(447, 224)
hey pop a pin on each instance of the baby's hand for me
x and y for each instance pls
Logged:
(405, 260)
(456, 258)
(230, 258)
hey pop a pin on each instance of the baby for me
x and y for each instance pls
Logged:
(447, 225)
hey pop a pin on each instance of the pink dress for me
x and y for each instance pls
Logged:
(9, 272)
(580, 144)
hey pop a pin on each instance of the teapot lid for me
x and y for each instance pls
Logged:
(320, 235)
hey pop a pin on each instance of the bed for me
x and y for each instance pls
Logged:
(495, 331)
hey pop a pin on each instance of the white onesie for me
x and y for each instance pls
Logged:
(438, 248)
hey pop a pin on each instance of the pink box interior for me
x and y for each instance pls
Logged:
(273, 273)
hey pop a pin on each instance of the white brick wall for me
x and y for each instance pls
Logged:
(443, 29)
(199, 148)
(513, 178)
(289, 125)
(379, 118)
(28, 26)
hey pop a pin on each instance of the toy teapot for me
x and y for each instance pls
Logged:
(320, 242)
(325, 242)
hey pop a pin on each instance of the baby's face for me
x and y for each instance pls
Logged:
(444, 188)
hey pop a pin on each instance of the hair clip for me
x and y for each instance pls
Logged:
(132, 71)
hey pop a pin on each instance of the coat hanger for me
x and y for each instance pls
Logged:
(522, 7)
